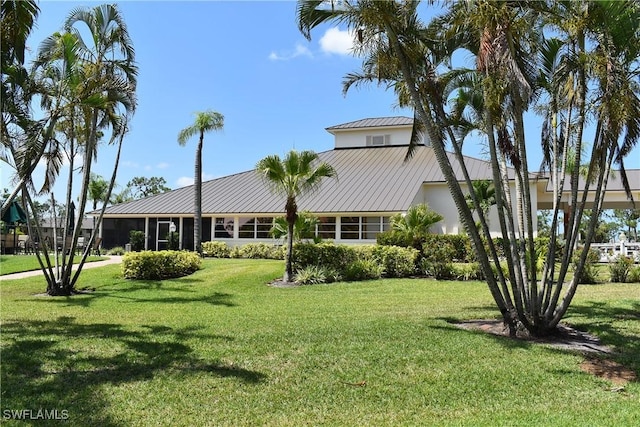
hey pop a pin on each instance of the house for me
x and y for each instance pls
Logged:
(374, 182)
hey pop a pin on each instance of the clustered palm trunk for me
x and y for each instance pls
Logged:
(507, 39)
(87, 87)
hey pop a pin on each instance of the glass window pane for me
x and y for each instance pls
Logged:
(327, 227)
(247, 228)
(350, 227)
(263, 226)
(223, 228)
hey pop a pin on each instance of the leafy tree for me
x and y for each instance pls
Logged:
(206, 121)
(293, 176)
(87, 86)
(590, 75)
(304, 227)
(17, 19)
(141, 187)
(627, 221)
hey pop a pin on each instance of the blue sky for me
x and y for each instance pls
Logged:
(246, 60)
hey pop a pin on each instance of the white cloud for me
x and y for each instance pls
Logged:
(130, 164)
(337, 41)
(184, 181)
(299, 50)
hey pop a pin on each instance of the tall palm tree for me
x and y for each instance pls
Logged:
(293, 176)
(206, 121)
(87, 83)
(17, 19)
(505, 38)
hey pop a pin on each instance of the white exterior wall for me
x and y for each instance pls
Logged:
(358, 138)
(439, 199)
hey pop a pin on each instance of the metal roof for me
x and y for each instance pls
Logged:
(374, 122)
(369, 180)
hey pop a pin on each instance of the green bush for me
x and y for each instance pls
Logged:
(216, 249)
(336, 257)
(589, 272)
(438, 270)
(468, 271)
(152, 265)
(363, 269)
(634, 275)
(262, 251)
(136, 239)
(310, 275)
(396, 261)
(394, 238)
(116, 250)
(393, 261)
(620, 269)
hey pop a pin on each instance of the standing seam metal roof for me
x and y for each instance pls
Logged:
(369, 180)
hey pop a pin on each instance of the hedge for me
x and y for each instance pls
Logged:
(158, 265)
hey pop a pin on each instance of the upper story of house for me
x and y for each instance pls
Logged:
(373, 132)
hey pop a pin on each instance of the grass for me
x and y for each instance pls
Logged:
(10, 264)
(221, 348)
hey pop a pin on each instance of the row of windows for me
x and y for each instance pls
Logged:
(351, 227)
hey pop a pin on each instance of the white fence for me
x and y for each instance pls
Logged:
(609, 251)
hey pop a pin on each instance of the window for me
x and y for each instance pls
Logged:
(326, 228)
(223, 228)
(350, 227)
(255, 228)
(378, 140)
(263, 225)
(366, 227)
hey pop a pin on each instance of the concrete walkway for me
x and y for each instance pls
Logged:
(25, 274)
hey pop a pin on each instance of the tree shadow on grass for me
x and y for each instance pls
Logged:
(609, 323)
(63, 365)
(87, 297)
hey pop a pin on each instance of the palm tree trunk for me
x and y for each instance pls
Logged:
(288, 274)
(197, 222)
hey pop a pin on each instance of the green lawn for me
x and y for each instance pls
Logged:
(10, 264)
(222, 348)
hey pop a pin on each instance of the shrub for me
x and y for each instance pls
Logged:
(116, 250)
(216, 249)
(258, 251)
(136, 239)
(634, 275)
(336, 257)
(468, 271)
(262, 251)
(151, 265)
(620, 269)
(363, 269)
(396, 261)
(394, 238)
(590, 272)
(438, 270)
(311, 275)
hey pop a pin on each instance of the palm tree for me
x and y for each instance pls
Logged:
(416, 221)
(98, 188)
(206, 121)
(304, 228)
(485, 195)
(295, 175)
(89, 86)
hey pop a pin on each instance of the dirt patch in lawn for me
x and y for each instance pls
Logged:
(566, 338)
